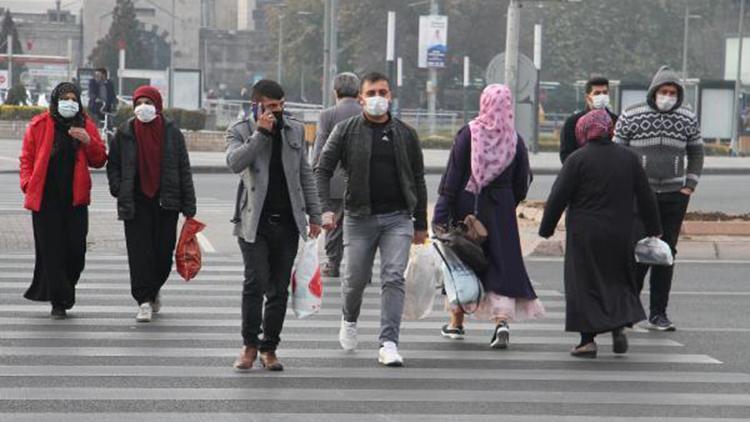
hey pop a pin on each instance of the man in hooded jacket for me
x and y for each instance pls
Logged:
(666, 136)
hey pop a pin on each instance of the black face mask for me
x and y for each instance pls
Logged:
(279, 116)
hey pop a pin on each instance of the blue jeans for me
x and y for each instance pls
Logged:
(392, 234)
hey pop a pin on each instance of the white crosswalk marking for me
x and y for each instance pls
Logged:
(99, 364)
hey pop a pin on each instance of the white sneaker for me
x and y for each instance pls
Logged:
(389, 356)
(348, 335)
(145, 311)
(156, 304)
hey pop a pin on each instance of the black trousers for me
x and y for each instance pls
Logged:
(60, 249)
(672, 209)
(268, 269)
(150, 238)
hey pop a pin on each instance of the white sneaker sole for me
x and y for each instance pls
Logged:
(452, 336)
(391, 364)
(346, 348)
(502, 338)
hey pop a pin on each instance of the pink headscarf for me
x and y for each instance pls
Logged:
(493, 137)
(593, 125)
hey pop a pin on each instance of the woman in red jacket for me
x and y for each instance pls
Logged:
(59, 147)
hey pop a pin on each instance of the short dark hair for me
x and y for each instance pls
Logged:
(596, 81)
(102, 70)
(267, 88)
(373, 77)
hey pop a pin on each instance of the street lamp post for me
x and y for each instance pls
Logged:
(686, 37)
(170, 84)
(280, 58)
(432, 83)
(737, 87)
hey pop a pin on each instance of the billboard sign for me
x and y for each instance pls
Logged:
(730, 59)
(433, 41)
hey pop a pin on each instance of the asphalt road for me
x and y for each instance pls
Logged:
(101, 365)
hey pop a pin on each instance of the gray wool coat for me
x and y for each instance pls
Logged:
(344, 109)
(248, 153)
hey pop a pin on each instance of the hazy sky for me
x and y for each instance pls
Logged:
(39, 5)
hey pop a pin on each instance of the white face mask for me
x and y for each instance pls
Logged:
(599, 102)
(67, 108)
(145, 113)
(376, 106)
(665, 102)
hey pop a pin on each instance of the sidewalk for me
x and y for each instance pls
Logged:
(435, 161)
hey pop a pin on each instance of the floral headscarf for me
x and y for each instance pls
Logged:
(593, 125)
(493, 137)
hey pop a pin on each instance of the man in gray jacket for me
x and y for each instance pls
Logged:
(346, 87)
(277, 194)
(385, 208)
(666, 136)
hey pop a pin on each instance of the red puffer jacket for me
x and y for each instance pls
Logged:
(37, 146)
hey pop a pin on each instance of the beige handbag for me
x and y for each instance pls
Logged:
(474, 229)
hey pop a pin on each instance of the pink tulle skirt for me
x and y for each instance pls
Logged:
(497, 307)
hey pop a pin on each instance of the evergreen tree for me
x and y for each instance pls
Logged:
(9, 28)
(125, 30)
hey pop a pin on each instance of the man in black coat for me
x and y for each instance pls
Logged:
(597, 97)
(102, 98)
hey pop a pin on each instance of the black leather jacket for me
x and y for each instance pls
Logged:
(351, 144)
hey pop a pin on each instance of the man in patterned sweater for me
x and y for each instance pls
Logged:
(663, 133)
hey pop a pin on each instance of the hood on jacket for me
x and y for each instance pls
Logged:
(665, 75)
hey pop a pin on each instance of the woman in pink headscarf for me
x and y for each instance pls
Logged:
(489, 164)
(598, 184)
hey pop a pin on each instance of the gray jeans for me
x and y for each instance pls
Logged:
(335, 237)
(391, 234)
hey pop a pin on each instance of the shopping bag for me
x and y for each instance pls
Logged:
(464, 247)
(307, 288)
(463, 289)
(187, 255)
(421, 275)
(653, 251)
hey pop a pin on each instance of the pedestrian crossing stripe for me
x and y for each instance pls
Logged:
(179, 365)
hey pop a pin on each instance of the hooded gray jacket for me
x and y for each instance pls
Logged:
(664, 139)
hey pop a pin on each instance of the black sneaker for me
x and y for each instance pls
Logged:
(619, 341)
(58, 312)
(455, 333)
(501, 336)
(660, 323)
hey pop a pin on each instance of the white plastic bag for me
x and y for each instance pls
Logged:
(306, 285)
(653, 251)
(421, 273)
(463, 289)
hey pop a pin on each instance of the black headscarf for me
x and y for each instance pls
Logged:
(57, 93)
(63, 140)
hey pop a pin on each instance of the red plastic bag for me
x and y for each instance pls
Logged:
(188, 253)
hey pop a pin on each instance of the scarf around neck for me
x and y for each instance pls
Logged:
(149, 139)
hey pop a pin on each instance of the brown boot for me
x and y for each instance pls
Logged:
(270, 361)
(246, 359)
